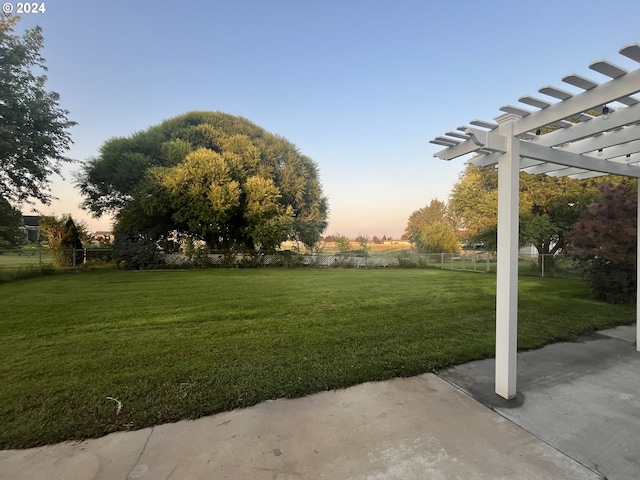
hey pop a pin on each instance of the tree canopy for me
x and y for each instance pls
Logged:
(209, 175)
(549, 206)
(432, 229)
(33, 127)
(607, 229)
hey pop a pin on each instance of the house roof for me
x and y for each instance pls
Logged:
(31, 220)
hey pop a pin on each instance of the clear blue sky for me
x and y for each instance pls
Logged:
(359, 86)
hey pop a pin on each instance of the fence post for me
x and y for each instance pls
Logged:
(542, 264)
(40, 260)
(73, 260)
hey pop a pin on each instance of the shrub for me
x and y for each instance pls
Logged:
(135, 252)
(612, 282)
(605, 237)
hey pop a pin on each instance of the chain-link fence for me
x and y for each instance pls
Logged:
(476, 262)
(17, 263)
(549, 265)
(23, 261)
(484, 262)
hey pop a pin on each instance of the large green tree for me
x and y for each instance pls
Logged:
(474, 199)
(209, 175)
(432, 229)
(33, 127)
(549, 206)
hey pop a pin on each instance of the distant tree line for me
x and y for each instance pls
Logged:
(375, 240)
(592, 221)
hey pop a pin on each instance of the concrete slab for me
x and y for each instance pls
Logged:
(581, 398)
(404, 429)
(624, 332)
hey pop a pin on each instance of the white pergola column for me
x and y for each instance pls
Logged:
(581, 145)
(507, 273)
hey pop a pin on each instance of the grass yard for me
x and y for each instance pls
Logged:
(170, 345)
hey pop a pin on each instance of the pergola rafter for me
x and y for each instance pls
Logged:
(591, 133)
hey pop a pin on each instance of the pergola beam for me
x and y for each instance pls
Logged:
(582, 102)
(631, 51)
(553, 156)
(584, 146)
(593, 127)
(618, 143)
(602, 94)
(600, 142)
(537, 159)
(622, 150)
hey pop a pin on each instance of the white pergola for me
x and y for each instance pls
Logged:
(583, 146)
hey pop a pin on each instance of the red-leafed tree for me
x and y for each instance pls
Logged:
(605, 237)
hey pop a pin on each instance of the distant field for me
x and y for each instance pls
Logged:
(388, 249)
(173, 344)
(331, 248)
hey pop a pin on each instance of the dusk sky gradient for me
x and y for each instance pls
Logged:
(359, 86)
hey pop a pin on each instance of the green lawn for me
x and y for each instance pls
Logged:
(181, 344)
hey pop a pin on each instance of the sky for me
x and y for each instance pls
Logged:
(359, 86)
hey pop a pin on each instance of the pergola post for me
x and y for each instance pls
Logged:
(578, 143)
(507, 273)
